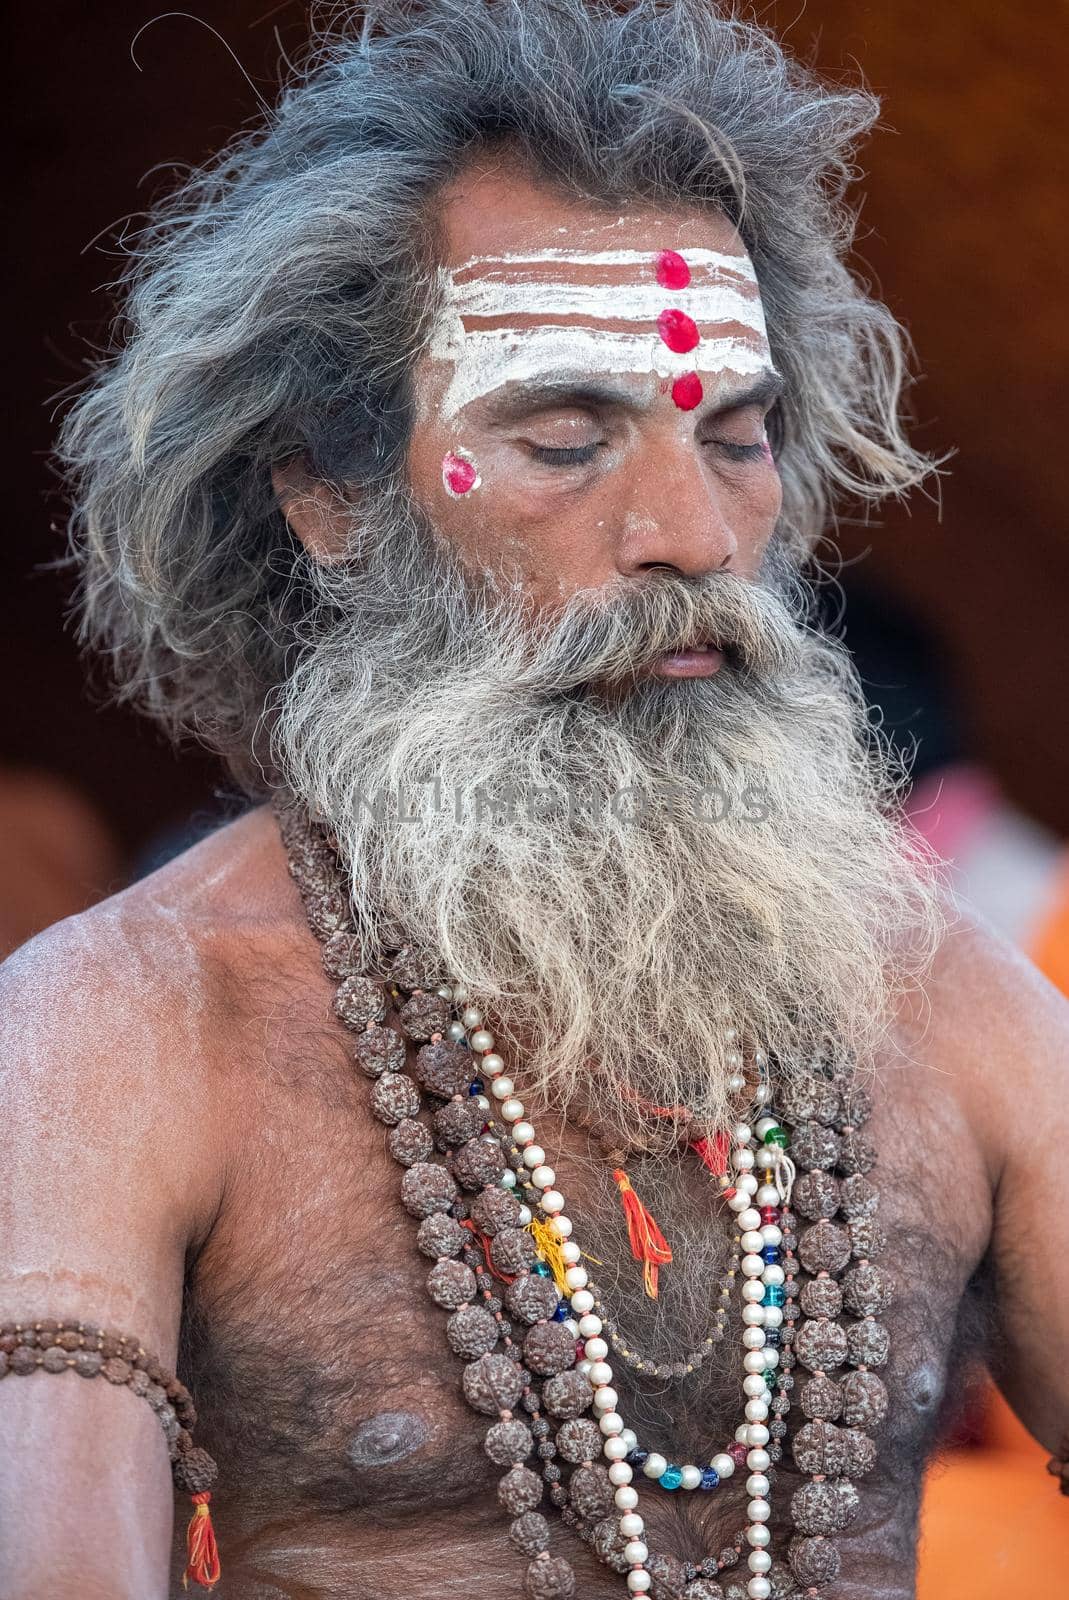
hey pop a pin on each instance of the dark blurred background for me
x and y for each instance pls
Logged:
(958, 614)
(962, 228)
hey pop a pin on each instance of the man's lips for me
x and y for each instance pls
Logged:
(697, 661)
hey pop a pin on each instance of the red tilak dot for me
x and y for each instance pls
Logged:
(458, 474)
(679, 332)
(672, 270)
(687, 391)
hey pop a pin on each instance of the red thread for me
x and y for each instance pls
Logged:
(648, 1243)
(712, 1153)
(672, 270)
(502, 1277)
(681, 1112)
(202, 1552)
(687, 391)
(679, 332)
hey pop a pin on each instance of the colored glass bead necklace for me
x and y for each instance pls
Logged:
(762, 1296)
(760, 1267)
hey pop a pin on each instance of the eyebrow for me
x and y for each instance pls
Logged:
(526, 399)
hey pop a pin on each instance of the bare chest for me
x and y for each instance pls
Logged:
(327, 1391)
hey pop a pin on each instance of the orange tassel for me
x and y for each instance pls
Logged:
(712, 1153)
(648, 1243)
(203, 1565)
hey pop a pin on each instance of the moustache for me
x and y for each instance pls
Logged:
(612, 639)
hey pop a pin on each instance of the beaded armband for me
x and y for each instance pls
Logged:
(120, 1358)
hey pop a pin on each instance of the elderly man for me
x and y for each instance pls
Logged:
(564, 1141)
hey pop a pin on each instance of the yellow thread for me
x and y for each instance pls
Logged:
(549, 1248)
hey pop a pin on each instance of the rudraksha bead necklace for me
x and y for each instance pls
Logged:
(465, 1208)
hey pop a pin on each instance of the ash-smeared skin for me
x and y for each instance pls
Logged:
(304, 1312)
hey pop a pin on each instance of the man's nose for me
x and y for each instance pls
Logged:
(675, 520)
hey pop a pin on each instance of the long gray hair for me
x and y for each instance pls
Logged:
(276, 303)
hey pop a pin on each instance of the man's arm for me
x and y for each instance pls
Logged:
(109, 1179)
(1008, 1045)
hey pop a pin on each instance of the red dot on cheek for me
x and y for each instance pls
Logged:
(687, 391)
(672, 270)
(458, 474)
(679, 332)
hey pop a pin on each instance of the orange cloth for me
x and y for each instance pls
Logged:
(1050, 950)
(992, 1520)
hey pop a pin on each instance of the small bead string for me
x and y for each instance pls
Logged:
(693, 1360)
(51, 1345)
(120, 1358)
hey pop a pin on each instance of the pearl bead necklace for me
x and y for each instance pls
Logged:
(762, 1294)
(753, 1434)
(632, 1358)
(667, 1475)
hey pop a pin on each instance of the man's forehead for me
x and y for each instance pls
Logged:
(512, 325)
(535, 285)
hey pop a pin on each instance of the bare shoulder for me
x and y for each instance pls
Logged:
(118, 1031)
(166, 954)
(997, 1032)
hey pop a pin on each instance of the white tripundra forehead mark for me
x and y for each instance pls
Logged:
(616, 302)
(484, 359)
(718, 260)
(495, 356)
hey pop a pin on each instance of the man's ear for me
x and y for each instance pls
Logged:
(315, 510)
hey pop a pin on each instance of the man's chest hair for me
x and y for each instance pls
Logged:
(319, 1364)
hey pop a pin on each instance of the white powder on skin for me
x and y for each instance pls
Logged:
(625, 302)
(485, 359)
(489, 358)
(715, 260)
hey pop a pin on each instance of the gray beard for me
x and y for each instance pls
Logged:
(619, 871)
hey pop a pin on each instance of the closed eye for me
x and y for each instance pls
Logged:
(739, 452)
(582, 455)
(565, 456)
